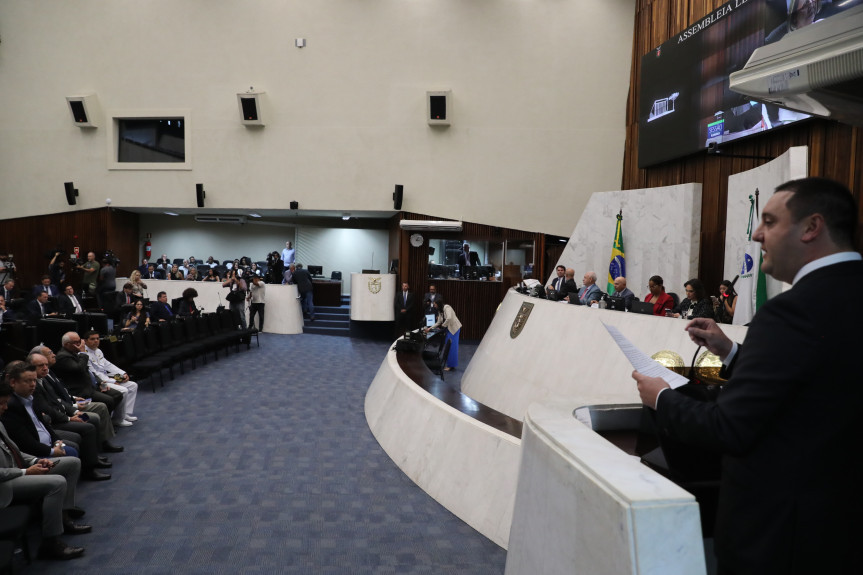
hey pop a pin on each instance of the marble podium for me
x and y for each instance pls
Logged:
(473, 470)
(372, 297)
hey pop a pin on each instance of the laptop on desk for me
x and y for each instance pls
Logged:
(642, 307)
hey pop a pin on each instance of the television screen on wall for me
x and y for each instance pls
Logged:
(685, 103)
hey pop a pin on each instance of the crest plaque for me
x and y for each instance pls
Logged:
(374, 285)
(520, 319)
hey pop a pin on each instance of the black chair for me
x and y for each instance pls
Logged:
(50, 331)
(441, 359)
(336, 276)
(675, 298)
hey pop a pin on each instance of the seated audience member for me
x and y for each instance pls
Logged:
(108, 374)
(556, 285)
(569, 291)
(160, 310)
(30, 416)
(696, 303)
(144, 268)
(126, 297)
(185, 267)
(212, 262)
(176, 274)
(163, 263)
(46, 286)
(430, 299)
(138, 316)
(8, 290)
(193, 263)
(187, 307)
(39, 308)
(69, 302)
(138, 286)
(96, 411)
(155, 274)
(6, 315)
(621, 291)
(587, 293)
(211, 276)
(661, 301)
(27, 479)
(192, 275)
(725, 305)
(73, 369)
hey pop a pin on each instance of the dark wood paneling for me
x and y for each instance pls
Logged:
(33, 239)
(475, 302)
(835, 150)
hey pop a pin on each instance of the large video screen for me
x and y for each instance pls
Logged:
(685, 103)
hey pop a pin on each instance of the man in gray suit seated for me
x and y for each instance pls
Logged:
(27, 479)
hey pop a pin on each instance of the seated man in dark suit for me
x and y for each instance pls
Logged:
(69, 302)
(39, 308)
(28, 422)
(153, 273)
(6, 315)
(570, 288)
(621, 291)
(126, 297)
(73, 368)
(160, 310)
(52, 483)
(46, 286)
(556, 285)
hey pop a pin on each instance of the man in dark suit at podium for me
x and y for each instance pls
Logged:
(431, 298)
(787, 421)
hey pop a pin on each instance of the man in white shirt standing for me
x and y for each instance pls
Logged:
(104, 372)
(288, 254)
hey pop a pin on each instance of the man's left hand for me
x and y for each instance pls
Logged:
(649, 388)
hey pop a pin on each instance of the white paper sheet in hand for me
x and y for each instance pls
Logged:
(643, 363)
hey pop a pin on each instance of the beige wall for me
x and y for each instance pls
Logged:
(539, 93)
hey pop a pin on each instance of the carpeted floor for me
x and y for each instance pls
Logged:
(263, 463)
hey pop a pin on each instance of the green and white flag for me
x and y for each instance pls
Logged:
(752, 285)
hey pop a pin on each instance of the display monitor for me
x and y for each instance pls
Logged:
(685, 103)
(316, 270)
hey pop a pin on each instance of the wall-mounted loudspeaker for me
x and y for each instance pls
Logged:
(397, 197)
(86, 112)
(71, 193)
(200, 194)
(295, 205)
(439, 108)
(252, 108)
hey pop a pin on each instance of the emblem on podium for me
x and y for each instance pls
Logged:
(374, 285)
(520, 319)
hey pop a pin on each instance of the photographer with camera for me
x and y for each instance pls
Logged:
(91, 274)
(237, 295)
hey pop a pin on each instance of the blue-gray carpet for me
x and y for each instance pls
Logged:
(263, 463)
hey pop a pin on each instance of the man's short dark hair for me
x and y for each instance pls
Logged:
(90, 332)
(830, 199)
(17, 368)
(560, 267)
(160, 294)
(127, 285)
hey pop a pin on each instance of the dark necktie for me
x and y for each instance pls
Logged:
(16, 455)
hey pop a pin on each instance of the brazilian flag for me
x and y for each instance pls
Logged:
(617, 266)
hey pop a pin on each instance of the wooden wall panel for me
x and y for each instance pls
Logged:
(835, 150)
(33, 239)
(474, 302)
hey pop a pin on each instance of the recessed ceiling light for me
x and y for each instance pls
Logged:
(171, 214)
(346, 216)
(254, 215)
